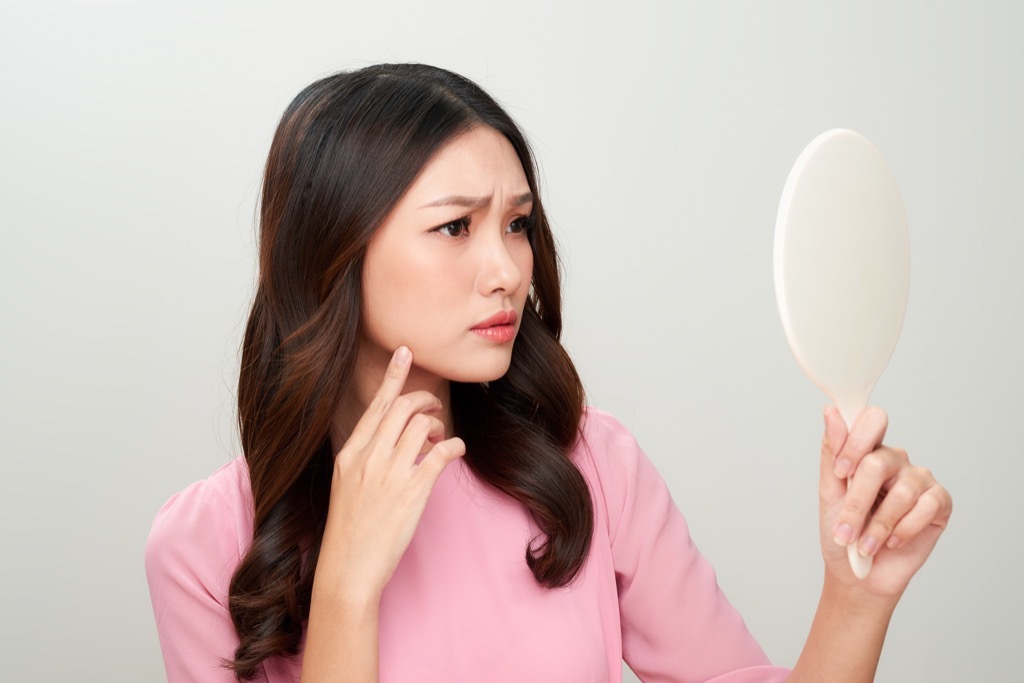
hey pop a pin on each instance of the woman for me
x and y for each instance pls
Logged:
(423, 495)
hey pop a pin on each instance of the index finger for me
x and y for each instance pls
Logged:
(865, 436)
(390, 388)
(831, 487)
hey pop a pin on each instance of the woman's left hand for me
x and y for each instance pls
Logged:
(893, 510)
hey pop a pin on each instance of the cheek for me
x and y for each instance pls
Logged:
(525, 263)
(406, 297)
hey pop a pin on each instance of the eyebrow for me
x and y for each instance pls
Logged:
(475, 203)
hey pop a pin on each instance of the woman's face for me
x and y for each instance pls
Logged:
(448, 272)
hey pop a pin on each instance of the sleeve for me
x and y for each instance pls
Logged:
(191, 553)
(677, 625)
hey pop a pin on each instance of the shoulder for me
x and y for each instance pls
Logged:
(615, 466)
(200, 534)
(610, 450)
(193, 549)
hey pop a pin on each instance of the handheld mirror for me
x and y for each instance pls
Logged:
(842, 271)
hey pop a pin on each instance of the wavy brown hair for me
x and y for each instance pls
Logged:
(345, 151)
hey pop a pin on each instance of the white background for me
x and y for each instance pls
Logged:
(132, 137)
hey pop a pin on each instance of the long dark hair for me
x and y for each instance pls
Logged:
(345, 151)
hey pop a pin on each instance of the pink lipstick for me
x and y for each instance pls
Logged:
(499, 328)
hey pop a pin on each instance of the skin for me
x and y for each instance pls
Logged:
(853, 614)
(436, 268)
(454, 251)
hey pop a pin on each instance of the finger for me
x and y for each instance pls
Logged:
(830, 487)
(863, 489)
(390, 388)
(933, 509)
(421, 431)
(902, 496)
(866, 435)
(397, 419)
(439, 457)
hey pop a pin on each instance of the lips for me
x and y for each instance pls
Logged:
(500, 327)
(498, 319)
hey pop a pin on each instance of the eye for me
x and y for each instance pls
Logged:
(456, 228)
(520, 225)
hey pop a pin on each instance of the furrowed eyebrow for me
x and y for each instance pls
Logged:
(475, 203)
(524, 198)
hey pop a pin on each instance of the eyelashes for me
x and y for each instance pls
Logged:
(522, 224)
(455, 229)
(459, 228)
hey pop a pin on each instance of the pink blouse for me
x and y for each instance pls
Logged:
(462, 605)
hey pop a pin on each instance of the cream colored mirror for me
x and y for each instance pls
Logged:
(842, 270)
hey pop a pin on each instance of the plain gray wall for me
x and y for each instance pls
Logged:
(133, 136)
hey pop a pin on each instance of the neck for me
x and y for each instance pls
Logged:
(370, 368)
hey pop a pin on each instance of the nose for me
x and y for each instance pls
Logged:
(500, 267)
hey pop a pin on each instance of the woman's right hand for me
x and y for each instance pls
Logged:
(378, 490)
(378, 493)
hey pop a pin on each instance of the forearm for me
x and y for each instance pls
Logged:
(341, 638)
(846, 636)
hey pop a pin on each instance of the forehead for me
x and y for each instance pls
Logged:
(479, 162)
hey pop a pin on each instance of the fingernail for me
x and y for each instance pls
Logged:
(843, 468)
(868, 547)
(402, 355)
(843, 534)
(895, 542)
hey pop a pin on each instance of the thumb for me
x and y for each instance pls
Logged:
(830, 487)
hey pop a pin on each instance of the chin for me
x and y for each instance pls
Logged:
(480, 372)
